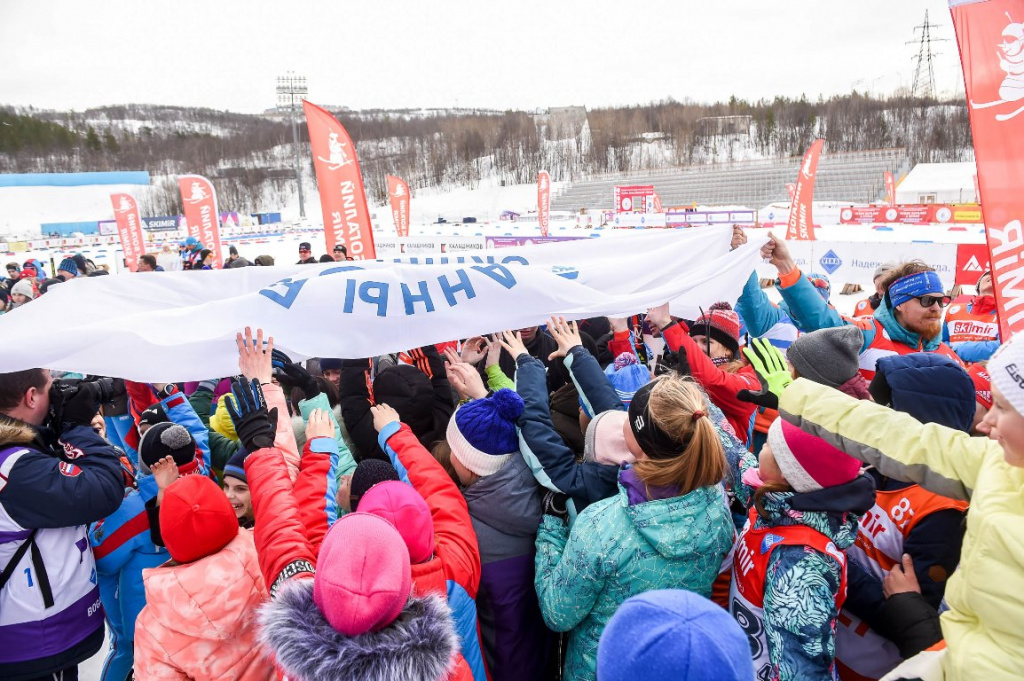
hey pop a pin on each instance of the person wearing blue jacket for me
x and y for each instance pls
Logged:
(56, 480)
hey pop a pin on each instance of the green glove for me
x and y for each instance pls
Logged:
(772, 371)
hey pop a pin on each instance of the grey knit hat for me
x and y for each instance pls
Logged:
(828, 356)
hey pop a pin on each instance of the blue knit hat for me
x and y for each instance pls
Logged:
(673, 634)
(235, 467)
(627, 375)
(482, 433)
(68, 265)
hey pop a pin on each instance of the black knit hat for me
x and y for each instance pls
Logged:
(368, 473)
(153, 415)
(168, 439)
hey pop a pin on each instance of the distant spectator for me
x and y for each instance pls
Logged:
(306, 254)
(147, 263)
(340, 253)
(264, 261)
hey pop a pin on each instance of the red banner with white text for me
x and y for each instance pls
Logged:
(971, 263)
(890, 188)
(342, 195)
(129, 228)
(801, 220)
(398, 192)
(911, 214)
(992, 54)
(634, 198)
(543, 201)
(200, 202)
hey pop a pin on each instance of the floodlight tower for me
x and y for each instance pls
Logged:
(924, 66)
(290, 91)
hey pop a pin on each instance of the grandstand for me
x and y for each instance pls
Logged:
(856, 177)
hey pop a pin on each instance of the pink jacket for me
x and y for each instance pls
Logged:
(199, 620)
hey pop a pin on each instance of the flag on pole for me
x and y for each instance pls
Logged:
(342, 195)
(543, 201)
(890, 188)
(991, 42)
(129, 229)
(201, 212)
(398, 192)
(801, 220)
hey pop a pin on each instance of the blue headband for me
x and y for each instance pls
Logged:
(914, 286)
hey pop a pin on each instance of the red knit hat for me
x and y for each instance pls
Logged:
(982, 385)
(808, 462)
(196, 519)
(363, 577)
(403, 507)
(721, 323)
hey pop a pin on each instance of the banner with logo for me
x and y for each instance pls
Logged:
(342, 195)
(971, 261)
(543, 201)
(398, 192)
(991, 40)
(634, 198)
(145, 328)
(890, 188)
(801, 220)
(912, 214)
(658, 208)
(129, 229)
(200, 201)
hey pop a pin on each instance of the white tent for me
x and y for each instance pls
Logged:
(939, 183)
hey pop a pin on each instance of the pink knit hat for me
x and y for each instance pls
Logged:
(363, 578)
(403, 507)
(605, 440)
(808, 462)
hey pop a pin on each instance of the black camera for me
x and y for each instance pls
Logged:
(76, 400)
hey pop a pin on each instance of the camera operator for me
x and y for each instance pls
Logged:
(57, 475)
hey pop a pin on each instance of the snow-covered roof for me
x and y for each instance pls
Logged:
(941, 179)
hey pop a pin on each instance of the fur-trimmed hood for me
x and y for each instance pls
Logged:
(15, 432)
(419, 646)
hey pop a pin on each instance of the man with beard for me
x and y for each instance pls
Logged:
(908, 318)
(972, 330)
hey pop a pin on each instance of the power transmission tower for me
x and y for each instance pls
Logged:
(924, 61)
(290, 91)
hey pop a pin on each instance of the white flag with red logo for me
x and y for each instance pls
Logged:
(890, 188)
(543, 201)
(801, 220)
(398, 192)
(991, 43)
(342, 196)
(129, 229)
(200, 202)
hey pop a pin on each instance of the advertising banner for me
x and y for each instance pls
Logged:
(200, 201)
(911, 214)
(398, 192)
(342, 195)
(129, 229)
(634, 199)
(801, 220)
(971, 261)
(543, 201)
(991, 42)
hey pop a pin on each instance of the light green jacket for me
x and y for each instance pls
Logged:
(983, 628)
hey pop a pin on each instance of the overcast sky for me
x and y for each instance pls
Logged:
(522, 54)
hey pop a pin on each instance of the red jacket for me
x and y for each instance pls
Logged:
(720, 385)
(455, 568)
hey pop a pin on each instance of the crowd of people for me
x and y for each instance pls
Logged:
(783, 493)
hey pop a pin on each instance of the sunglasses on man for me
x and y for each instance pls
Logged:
(928, 301)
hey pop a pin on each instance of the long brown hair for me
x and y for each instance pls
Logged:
(674, 401)
(768, 488)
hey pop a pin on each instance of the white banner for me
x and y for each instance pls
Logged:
(177, 326)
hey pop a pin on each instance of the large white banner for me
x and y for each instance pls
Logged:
(176, 326)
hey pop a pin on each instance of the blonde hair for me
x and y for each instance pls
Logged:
(442, 453)
(673, 402)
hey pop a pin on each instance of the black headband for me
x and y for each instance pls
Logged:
(654, 442)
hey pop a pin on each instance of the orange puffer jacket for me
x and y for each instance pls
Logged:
(199, 620)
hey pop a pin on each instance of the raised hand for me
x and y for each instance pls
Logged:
(319, 425)
(772, 371)
(474, 350)
(256, 427)
(566, 334)
(255, 358)
(383, 415)
(512, 342)
(466, 381)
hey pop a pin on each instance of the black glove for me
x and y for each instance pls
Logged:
(256, 427)
(290, 374)
(73, 402)
(555, 505)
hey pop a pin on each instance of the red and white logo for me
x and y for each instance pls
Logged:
(338, 157)
(1011, 60)
(198, 193)
(71, 451)
(69, 470)
(972, 265)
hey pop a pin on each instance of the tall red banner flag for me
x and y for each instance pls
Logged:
(398, 192)
(890, 188)
(801, 221)
(992, 54)
(342, 195)
(129, 229)
(543, 201)
(202, 214)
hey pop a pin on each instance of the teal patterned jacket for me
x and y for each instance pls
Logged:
(801, 586)
(615, 551)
